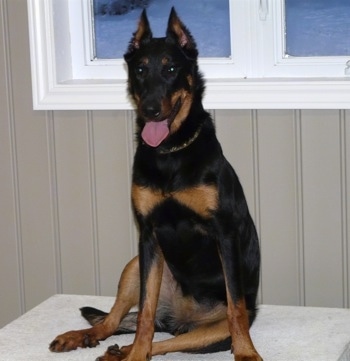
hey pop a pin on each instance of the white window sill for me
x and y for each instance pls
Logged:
(220, 94)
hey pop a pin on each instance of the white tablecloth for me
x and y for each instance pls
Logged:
(280, 333)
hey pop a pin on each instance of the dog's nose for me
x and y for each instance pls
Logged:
(151, 111)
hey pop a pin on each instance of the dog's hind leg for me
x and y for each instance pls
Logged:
(127, 297)
(205, 338)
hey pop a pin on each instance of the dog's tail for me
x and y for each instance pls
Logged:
(95, 317)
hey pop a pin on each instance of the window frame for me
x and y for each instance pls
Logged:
(276, 64)
(262, 82)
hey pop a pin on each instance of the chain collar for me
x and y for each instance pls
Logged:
(183, 145)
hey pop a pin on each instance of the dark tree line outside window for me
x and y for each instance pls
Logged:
(118, 7)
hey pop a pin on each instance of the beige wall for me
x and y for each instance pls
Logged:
(65, 220)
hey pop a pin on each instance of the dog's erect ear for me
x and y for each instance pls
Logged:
(178, 31)
(142, 35)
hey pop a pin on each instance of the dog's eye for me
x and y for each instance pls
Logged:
(140, 70)
(171, 69)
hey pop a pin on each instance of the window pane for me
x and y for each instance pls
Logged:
(115, 21)
(317, 27)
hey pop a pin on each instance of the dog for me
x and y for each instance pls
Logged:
(197, 273)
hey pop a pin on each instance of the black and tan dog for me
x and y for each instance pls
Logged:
(197, 273)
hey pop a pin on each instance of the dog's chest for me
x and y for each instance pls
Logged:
(201, 199)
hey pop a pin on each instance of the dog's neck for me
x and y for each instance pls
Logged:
(184, 145)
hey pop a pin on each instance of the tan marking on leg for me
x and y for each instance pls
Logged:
(142, 346)
(127, 297)
(238, 321)
(198, 338)
(128, 294)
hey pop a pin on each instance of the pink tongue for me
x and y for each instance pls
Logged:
(154, 133)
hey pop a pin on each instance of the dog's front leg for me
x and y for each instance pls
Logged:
(127, 297)
(151, 263)
(151, 270)
(237, 314)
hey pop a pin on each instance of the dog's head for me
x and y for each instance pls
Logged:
(163, 77)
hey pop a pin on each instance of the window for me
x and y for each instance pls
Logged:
(317, 28)
(260, 72)
(287, 24)
(115, 20)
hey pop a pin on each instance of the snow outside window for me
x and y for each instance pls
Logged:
(115, 20)
(317, 28)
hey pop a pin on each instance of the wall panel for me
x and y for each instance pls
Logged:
(278, 217)
(35, 203)
(112, 135)
(74, 202)
(322, 199)
(346, 205)
(10, 280)
(35, 257)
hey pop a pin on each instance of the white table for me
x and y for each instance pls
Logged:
(280, 333)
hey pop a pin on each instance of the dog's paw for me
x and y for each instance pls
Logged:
(72, 340)
(252, 357)
(113, 353)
